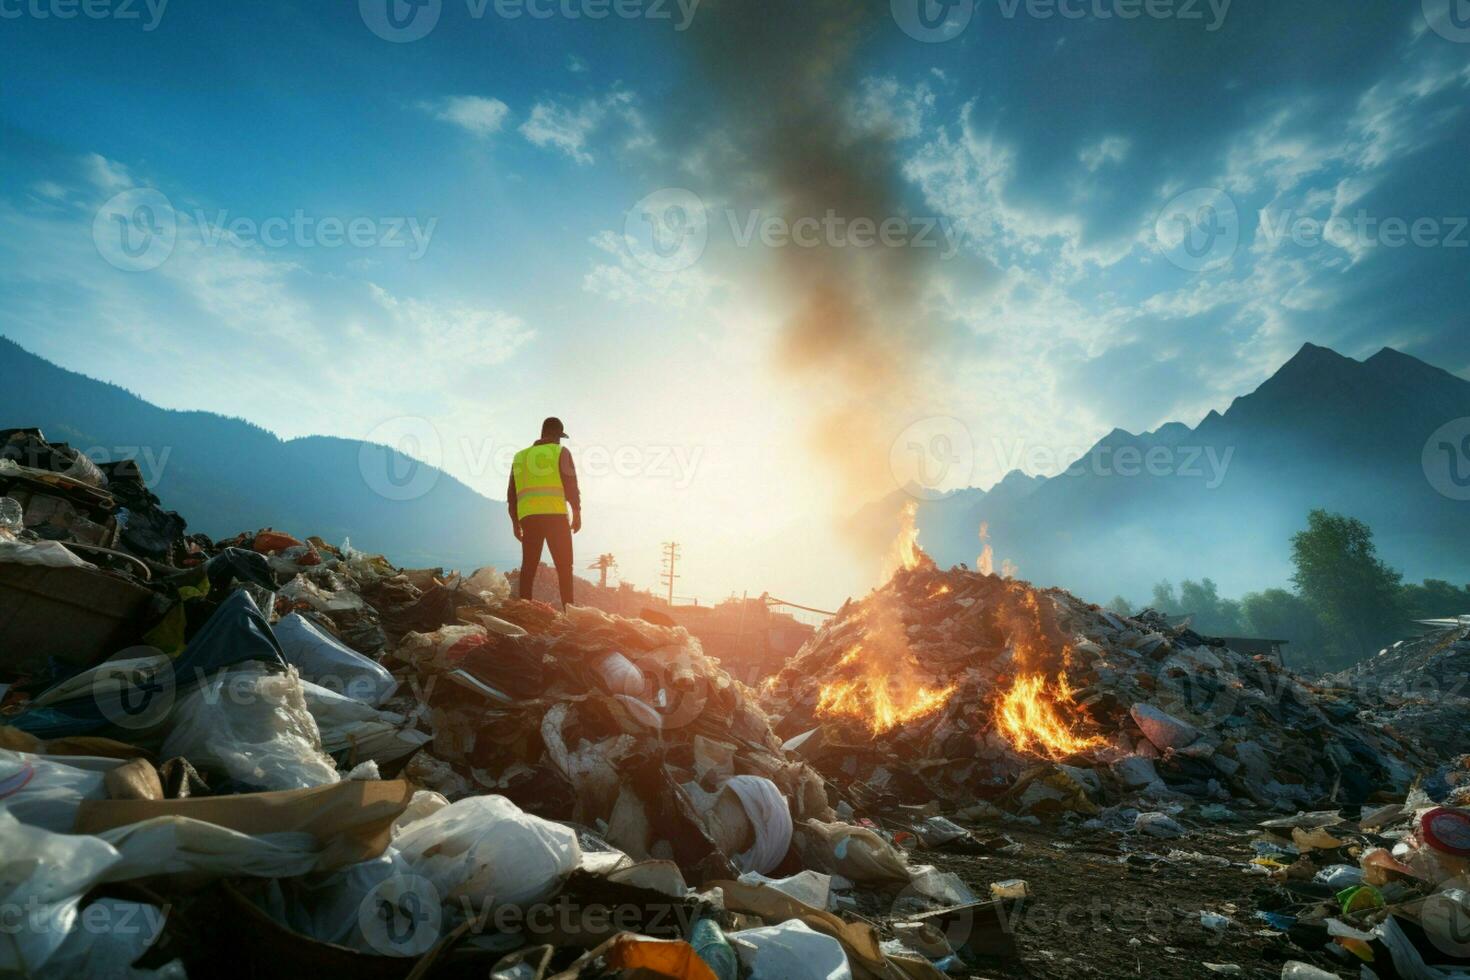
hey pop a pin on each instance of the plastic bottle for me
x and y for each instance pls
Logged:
(711, 946)
(12, 515)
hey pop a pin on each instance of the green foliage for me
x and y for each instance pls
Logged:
(1347, 606)
(1165, 600)
(1209, 614)
(1277, 614)
(1357, 597)
(1435, 599)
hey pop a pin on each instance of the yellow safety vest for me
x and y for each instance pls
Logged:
(537, 472)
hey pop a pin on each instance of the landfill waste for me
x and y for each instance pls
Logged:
(279, 750)
(295, 752)
(1418, 688)
(956, 686)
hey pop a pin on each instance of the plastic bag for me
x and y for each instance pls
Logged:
(790, 951)
(442, 649)
(485, 848)
(43, 877)
(769, 816)
(325, 661)
(111, 935)
(254, 726)
(338, 908)
(425, 803)
(45, 792)
(360, 730)
(176, 845)
(855, 853)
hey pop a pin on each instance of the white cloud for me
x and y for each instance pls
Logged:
(885, 108)
(475, 114)
(627, 280)
(49, 189)
(1113, 149)
(576, 65)
(106, 174)
(570, 128)
(370, 352)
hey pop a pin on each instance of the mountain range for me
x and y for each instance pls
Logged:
(225, 475)
(1222, 499)
(1219, 500)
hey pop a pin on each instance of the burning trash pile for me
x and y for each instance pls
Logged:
(281, 753)
(956, 686)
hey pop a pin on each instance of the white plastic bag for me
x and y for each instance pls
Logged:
(337, 908)
(769, 816)
(361, 730)
(253, 726)
(109, 935)
(177, 845)
(326, 662)
(792, 950)
(45, 791)
(423, 803)
(43, 877)
(486, 849)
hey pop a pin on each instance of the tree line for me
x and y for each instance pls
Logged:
(1346, 603)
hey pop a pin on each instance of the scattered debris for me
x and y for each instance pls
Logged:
(281, 750)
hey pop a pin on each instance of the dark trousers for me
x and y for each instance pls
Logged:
(555, 531)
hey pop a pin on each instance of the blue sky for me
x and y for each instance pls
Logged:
(498, 172)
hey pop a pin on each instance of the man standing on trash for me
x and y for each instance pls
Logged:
(543, 482)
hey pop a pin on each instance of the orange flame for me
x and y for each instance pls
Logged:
(985, 564)
(1031, 716)
(906, 552)
(1030, 720)
(882, 699)
(884, 686)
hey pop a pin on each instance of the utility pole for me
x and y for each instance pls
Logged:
(671, 558)
(602, 564)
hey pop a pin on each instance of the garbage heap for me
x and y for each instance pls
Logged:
(1419, 688)
(1386, 894)
(956, 686)
(278, 752)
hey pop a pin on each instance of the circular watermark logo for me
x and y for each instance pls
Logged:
(1450, 19)
(402, 916)
(1199, 229)
(1446, 459)
(670, 698)
(932, 21)
(400, 458)
(667, 231)
(401, 21)
(933, 457)
(1186, 690)
(136, 230)
(135, 691)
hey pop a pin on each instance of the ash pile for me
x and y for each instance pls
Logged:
(955, 686)
(283, 753)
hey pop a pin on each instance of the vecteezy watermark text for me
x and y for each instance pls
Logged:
(404, 21)
(148, 12)
(942, 20)
(1203, 462)
(1365, 230)
(1201, 230)
(138, 229)
(669, 230)
(401, 459)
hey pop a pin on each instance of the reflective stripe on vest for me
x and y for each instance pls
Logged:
(537, 473)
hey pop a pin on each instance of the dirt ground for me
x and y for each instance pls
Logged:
(1113, 906)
